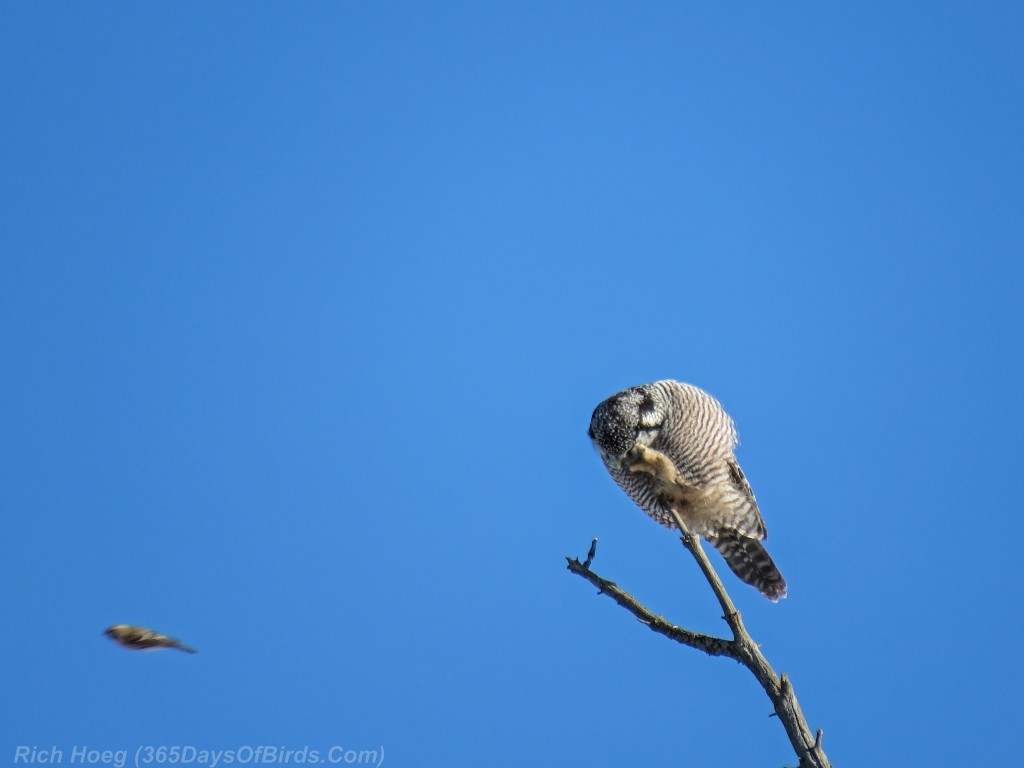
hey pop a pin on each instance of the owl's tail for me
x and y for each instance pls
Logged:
(751, 562)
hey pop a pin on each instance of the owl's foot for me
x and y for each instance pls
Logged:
(654, 463)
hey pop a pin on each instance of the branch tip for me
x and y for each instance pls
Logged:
(590, 554)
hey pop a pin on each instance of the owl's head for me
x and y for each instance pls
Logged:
(625, 419)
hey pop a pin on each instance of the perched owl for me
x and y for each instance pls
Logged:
(142, 639)
(670, 445)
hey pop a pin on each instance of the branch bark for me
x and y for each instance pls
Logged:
(741, 647)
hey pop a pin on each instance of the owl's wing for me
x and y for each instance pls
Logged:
(754, 525)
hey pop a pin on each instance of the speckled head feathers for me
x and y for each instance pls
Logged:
(617, 423)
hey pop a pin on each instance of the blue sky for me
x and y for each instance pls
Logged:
(304, 309)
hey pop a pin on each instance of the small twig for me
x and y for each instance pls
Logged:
(711, 645)
(591, 553)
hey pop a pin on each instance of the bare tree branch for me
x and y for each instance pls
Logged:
(741, 647)
(713, 646)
